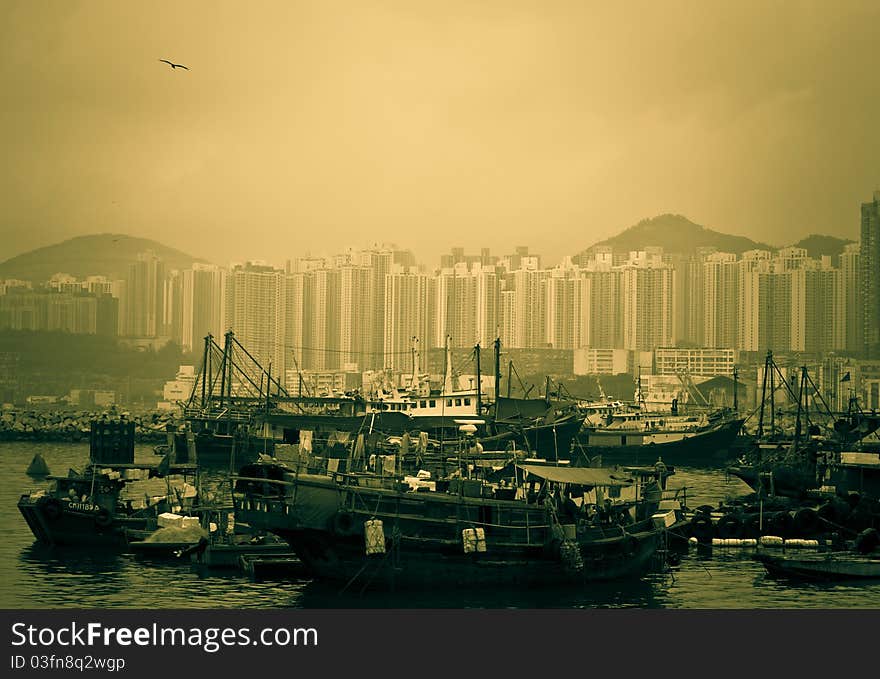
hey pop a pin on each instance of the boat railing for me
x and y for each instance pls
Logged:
(677, 494)
(532, 532)
(238, 416)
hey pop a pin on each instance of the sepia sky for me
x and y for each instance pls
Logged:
(309, 127)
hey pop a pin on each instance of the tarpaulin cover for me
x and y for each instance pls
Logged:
(584, 476)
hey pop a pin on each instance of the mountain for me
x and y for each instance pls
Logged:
(817, 245)
(675, 233)
(104, 254)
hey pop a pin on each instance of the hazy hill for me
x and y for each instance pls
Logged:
(675, 233)
(817, 245)
(105, 254)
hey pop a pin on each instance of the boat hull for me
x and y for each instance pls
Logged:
(710, 447)
(787, 481)
(75, 528)
(832, 566)
(413, 565)
(222, 555)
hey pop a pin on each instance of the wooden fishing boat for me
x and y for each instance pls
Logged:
(546, 525)
(111, 498)
(826, 566)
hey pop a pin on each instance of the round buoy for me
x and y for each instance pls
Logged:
(729, 526)
(867, 541)
(751, 525)
(778, 523)
(702, 528)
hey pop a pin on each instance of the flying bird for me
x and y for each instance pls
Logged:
(172, 65)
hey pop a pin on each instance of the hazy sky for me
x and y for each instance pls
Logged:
(314, 126)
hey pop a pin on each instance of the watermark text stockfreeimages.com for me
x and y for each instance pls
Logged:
(208, 639)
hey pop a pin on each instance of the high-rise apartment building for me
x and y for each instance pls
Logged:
(529, 308)
(853, 311)
(751, 266)
(606, 309)
(648, 294)
(567, 308)
(870, 279)
(202, 305)
(143, 303)
(323, 347)
(719, 300)
(255, 313)
(407, 312)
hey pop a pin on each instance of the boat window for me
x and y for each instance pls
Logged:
(467, 401)
(458, 401)
(449, 402)
(432, 403)
(424, 404)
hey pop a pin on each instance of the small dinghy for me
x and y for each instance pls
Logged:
(828, 566)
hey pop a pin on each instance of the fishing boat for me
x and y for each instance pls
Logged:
(836, 459)
(538, 524)
(823, 566)
(637, 437)
(113, 498)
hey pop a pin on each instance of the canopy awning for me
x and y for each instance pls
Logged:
(584, 476)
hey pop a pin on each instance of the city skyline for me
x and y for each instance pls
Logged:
(367, 309)
(303, 126)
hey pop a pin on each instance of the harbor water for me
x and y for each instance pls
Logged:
(34, 576)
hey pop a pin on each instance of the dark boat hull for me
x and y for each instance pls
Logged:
(414, 566)
(552, 441)
(787, 481)
(711, 447)
(72, 528)
(822, 567)
(792, 481)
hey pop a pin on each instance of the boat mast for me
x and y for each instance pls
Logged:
(497, 347)
(415, 361)
(223, 369)
(763, 397)
(800, 407)
(447, 381)
(205, 368)
(735, 390)
(479, 380)
(772, 396)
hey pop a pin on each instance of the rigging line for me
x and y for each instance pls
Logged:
(356, 352)
(257, 363)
